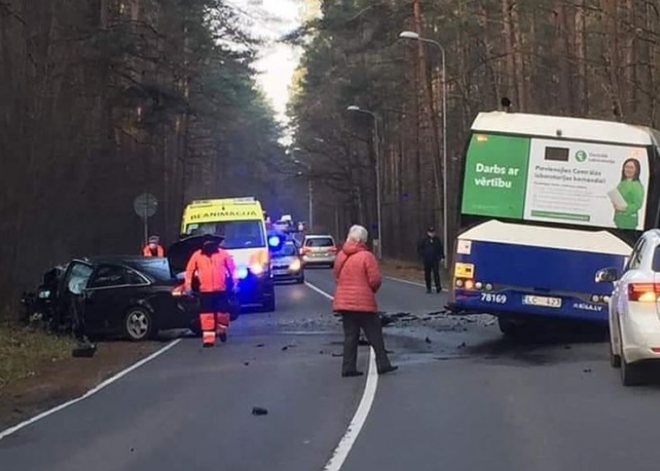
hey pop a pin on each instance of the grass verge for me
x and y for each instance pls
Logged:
(25, 351)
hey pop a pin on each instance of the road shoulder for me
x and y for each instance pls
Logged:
(39, 373)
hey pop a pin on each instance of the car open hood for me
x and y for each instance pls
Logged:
(178, 254)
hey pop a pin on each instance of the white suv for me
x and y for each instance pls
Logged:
(634, 310)
(319, 250)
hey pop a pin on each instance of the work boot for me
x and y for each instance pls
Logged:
(389, 369)
(223, 337)
(351, 374)
(428, 290)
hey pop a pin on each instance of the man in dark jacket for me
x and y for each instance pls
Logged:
(431, 252)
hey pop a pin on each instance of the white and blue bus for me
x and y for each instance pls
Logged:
(545, 203)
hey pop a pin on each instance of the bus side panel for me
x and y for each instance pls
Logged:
(517, 270)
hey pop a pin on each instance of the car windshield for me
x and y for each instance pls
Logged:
(237, 234)
(289, 250)
(320, 242)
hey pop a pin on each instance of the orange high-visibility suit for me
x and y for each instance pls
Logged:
(212, 271)
(158, 251)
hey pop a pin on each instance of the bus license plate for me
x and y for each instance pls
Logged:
(543, 301)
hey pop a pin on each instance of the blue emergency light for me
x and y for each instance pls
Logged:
(274, 241)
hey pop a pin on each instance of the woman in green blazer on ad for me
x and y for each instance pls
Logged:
(632, 191)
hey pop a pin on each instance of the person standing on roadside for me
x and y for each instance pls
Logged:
(153, 248)
(431, 251)
(358, 279)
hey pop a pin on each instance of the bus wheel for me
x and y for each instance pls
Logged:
(508, 327)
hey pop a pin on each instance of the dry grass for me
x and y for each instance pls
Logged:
(407, 270)
(24, 351)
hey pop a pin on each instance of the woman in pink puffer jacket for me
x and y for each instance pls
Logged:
(358, 279)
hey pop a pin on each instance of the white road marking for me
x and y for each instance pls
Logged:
(408, 282)
(346, 443)
(355, 427)
(319, 291)
(91, 392)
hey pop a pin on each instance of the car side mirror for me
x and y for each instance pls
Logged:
(607, 275)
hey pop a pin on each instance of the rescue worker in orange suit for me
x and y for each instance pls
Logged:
(212, 266)
(153, 248)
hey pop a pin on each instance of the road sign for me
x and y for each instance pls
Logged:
(145, 205)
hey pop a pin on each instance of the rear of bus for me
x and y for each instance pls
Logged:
(241, 222)
(538, 216)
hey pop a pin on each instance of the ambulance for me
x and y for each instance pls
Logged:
(241, 222)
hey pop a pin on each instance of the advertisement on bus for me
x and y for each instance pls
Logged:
(523, 178)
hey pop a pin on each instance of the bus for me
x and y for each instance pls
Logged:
(242, 223)
(545, 203)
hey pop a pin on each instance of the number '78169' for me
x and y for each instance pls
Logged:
(493, 298)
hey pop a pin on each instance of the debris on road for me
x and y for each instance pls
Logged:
(259, 411)
(261, 345)
(463, 345)
(586, 370)
(84, 350)
(428, 340)
(247, 363)
(337, 355)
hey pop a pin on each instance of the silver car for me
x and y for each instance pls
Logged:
(287, 265)
(319, 250)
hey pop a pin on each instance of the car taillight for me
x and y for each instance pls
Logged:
(643, 292)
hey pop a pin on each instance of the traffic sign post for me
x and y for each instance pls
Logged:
(145, 206)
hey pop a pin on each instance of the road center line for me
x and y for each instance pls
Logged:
(346, 443)
(319, 291)
(91, 392)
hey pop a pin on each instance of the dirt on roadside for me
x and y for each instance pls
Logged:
(51, 376)
(409, 271)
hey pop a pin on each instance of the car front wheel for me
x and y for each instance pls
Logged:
(138, 324)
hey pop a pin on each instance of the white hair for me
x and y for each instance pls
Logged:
(358, 234)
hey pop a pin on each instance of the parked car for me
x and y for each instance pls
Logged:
(319, 250)
(287, 265)
(129, 296)
(634, 311)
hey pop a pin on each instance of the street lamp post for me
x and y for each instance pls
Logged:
(310, 192)
(379, 209)
(415, 36)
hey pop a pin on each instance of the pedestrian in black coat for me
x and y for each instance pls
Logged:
(431, 251)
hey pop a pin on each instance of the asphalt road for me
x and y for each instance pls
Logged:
(464, 399)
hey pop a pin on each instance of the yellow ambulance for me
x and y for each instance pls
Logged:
(241, 222)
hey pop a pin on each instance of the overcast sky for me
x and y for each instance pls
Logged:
(271, 20)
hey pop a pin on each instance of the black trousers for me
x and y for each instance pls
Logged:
(432, 268)
(370, 324)
(214, 302)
